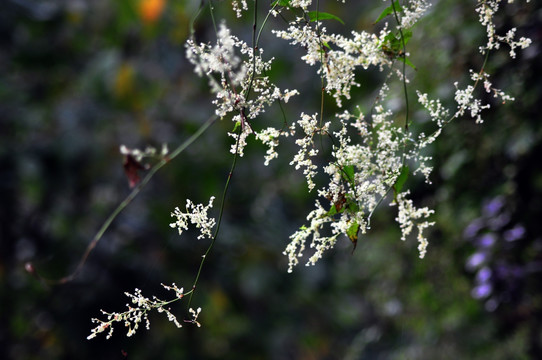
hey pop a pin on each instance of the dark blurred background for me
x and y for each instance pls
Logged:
(80, 78)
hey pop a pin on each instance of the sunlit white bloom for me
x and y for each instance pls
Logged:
(138, 312)
(307, 151)
(368, 155)
(361, 173)
(439, 114)
(409, 216)
(242, 87)
(304, 4)
(270, 138)
(149, 152)
(466, 101)
(412, 12)
(340, 56)
(195, 215)
(239, 7)
(195, 314)
(486, 12)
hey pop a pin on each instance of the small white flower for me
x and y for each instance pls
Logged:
(409, 216)
(195, 314)
(239, 8)
(140, 313)
(196, 215)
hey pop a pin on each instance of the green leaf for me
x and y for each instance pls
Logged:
(341, 205)
(318, 15)
(401, 179)
(389, 10)
(394, 40)
(352, 206)
(348, 173)
(390, 37)
(407, 61)
(393, 47)
(352, 233)
(332, 211)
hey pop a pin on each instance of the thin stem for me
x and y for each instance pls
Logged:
(404, 62)
(265, 73)
(226, 186)
(255, 40)
(127, 201)
(264, 22)
(405, 135)
(211, 10)
(193, 20)
(254, 48)
(218, 223)
(322, 59)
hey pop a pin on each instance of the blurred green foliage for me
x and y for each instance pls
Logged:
(80, 78)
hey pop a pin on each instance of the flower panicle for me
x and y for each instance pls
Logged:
(138, 312)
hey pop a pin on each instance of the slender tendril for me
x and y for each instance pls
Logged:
(404, 62)
(124, 204)
(234, 162)
(323, 57)
(254, 48)
(211, 11)
(219, 221)
(195, 17)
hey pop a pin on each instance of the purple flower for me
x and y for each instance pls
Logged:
(514, 234)
(475, 260)
(481, 291)
(486, 240)
(493, 207)
(499, 222)
(472, 229)
(483, 275)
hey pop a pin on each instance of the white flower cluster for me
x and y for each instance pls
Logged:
(339, 56)
(440, 116)
(409, 216)
(412, 12)
(138, 312)
(196, 215)
(486, 12)
(467, 102)
(303, 158)
(195, 314)
(239, 7)
(220, 58)
(148, 152)
(270, 138)
(488, 86)
(363, 170)
(371, 157)
(304, 4)
(237, 79)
